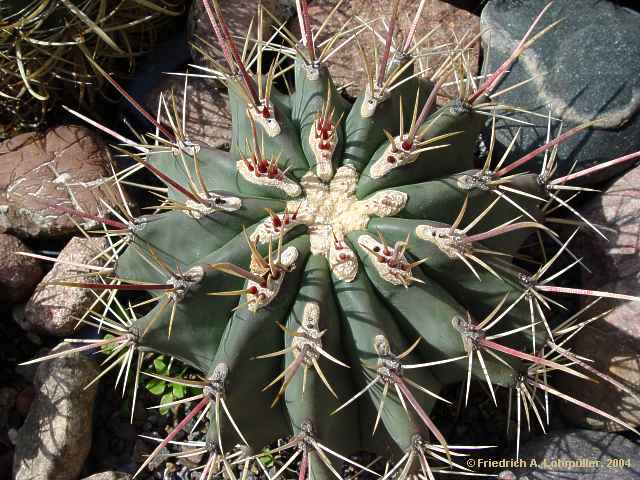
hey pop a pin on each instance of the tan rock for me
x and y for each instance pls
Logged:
(65, 166)
(19, 275)
(54, 309)
(55, 439)
(613, 345)
(445, 22)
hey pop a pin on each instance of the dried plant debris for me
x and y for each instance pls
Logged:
(49, 48)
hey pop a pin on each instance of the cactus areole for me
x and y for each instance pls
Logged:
(343, 262)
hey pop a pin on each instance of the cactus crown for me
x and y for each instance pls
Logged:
(349, 256)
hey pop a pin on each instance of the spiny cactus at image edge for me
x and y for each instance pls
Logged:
(344, 262)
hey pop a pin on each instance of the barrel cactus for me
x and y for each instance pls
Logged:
(343, 262)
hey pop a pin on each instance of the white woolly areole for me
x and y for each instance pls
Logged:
(309, 334)
(270, 125)
(452, 244)
(385, 203)
(187, 147)
(311, 72)
(212, 203)
(324, 168)
(267, 230)
(343, 262)
(394, 152)
(371, 101)
(397, 274)
(265, 295)
(184, 283)
(332, 210)
(285, 184)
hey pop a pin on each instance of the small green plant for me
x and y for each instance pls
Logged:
(267, 459)
(169, 392)
(353, 257)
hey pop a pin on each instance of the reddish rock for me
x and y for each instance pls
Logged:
(614, 341)
(19, 275)
(442, 22)
(238, 17)
(54, 309)
(65, 166)
(208, 119)
(447, 22)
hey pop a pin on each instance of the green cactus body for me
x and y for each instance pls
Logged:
(357, 243)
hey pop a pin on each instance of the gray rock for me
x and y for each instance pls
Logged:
(52, 308)
(590, 67)
(109, 476)
(613, 342)
(579, 454)
(65, 166)
(55, 439)
(19, 275)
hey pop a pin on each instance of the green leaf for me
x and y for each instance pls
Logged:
(159, 364)
(178, 390)
(107, 349)
(166, 398)
(267, 459)
(156, 386)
